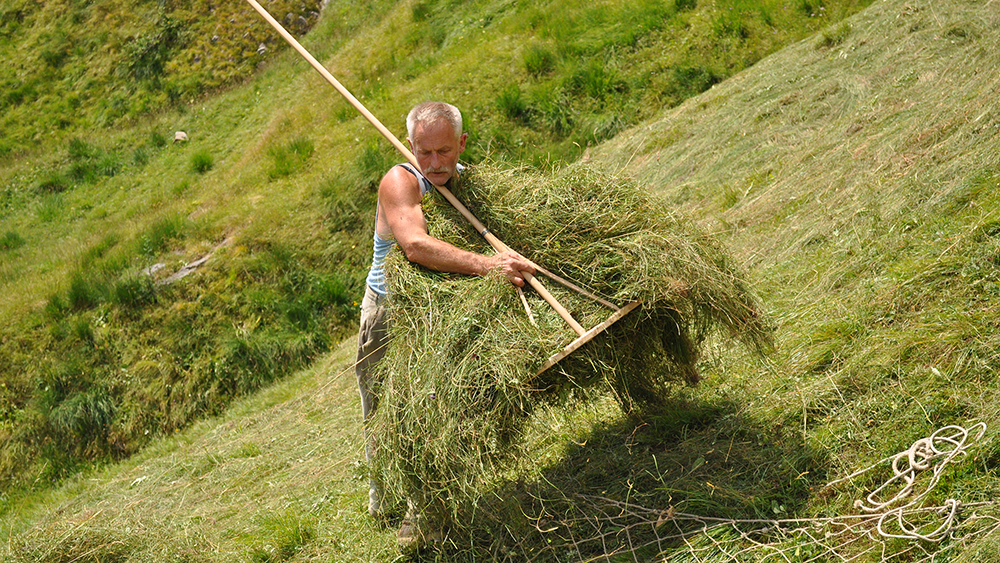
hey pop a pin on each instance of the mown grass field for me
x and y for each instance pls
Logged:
(854, 174)
(274, 189)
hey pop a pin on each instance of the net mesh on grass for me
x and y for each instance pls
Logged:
(458, 381)
(901, 518)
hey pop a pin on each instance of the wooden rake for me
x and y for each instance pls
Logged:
(583, 335)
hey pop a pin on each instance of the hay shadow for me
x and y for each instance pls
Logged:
(611, 496)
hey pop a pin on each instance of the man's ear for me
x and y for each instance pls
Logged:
(461, 143)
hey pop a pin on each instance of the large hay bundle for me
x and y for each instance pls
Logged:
(459, 376)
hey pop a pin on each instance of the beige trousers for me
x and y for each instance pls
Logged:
(373, 336)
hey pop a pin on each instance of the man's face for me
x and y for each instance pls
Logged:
(437, 148)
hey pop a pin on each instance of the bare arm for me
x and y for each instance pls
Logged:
(400, 213)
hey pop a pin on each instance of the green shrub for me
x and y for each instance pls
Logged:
(251, 360)
(108, 165)
(202, 161)
(512, 104)
(54, 57)
(285, 535)
(158, 236)
(157, 139)
(289, 158)
(83, 417)
(596, 80)
(133, 292)
(79, 149)
(11, 240)
(86, 291)
(23, 92)
(88, 163)
(811, 8)
(50, 207)
(83, 330)
(730, 24)
(83, 172)
(554, 112)
(373, 163)
(422, 10)
(55, 307)
(140, 157)
(692, 80)
(309, 295)
(539, 60)
(144, 58)
(52, 183)
(831, 37)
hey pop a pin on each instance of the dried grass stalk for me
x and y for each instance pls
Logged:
(459, 378)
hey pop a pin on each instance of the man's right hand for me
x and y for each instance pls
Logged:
(513, 266)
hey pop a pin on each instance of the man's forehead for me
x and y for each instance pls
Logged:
(438, 130)
(433, 124)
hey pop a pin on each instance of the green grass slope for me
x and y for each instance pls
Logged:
(273, 193)
(71, 66)
(859, 179)
(854, 173)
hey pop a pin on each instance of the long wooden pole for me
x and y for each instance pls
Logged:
(492, 239)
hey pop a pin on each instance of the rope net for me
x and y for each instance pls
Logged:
(892, 523)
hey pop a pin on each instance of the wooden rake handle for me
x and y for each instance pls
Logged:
(497, 245)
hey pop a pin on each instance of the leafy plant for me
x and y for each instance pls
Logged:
(596, 80)
(202, 161)
(512, 104)
(285, 536)
(50, 207)
(373, 163)
(161, 233)
(539, 59)
(290, 157)
(691, 80)
(52, 183)
(145, 56)
(133, 292)
(11, 240)
(157, 139)
(834, 36)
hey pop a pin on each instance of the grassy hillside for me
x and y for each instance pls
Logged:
(273, 193)
(861, 184)
(857, 174)
(75, 65)
(854, 173)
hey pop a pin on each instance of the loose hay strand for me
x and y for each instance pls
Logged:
(458, 381)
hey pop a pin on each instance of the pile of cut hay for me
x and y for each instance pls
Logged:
(459, 378)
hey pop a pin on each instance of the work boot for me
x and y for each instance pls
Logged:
(416, 533)
(375, 507)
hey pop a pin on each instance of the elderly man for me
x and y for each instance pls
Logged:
(434, 133)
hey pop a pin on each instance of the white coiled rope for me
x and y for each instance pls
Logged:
(935, 453)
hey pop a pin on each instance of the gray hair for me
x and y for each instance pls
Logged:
(429, 112)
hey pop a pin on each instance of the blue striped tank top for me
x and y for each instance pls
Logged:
(376, 275)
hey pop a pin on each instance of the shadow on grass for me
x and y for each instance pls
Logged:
(613, 496)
